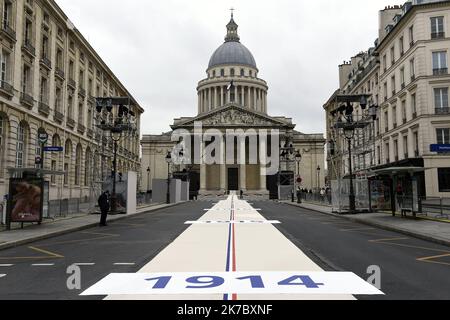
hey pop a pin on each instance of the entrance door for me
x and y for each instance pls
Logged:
(233, 179)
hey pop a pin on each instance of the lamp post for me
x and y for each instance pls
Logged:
(318, 178)
(169, 161)
(298, 159)
(148, 180)
(349, 132)
(115, 117)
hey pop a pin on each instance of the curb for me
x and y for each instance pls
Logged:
(380, 225)
(17, 243)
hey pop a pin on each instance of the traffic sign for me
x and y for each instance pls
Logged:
(43, 137)
(299, 180)
(37, 160)
(53, 149)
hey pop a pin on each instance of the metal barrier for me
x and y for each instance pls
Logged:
(439, 207)
(317, 198)
(143, 199)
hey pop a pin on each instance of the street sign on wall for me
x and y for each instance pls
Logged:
(440, 148)
(53, 149)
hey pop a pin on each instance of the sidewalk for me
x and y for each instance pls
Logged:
(437, 232)
(51, 229)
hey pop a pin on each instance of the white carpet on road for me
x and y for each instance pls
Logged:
(217, 258)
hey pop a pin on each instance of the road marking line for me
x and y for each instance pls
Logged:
(6, 265)
(415, 247)
(52, 254)
(2, 275)
(232, 222)
(391, 239)
(43, 264)
(356, 229)
(124, 264)
(84, 264)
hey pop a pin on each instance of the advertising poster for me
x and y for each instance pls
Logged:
(26, 199)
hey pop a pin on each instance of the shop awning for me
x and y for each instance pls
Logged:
(397, 170)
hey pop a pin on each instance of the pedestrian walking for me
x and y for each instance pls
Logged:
(103, 203)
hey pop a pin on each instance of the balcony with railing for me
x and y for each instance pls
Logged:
(437, 35)
(6, 88)
(45, 62)
(8, 31)
(59, 73)
(58, 117)
(28, 47)
(82, 92)
(71, 83)
(440, 71)
(70, 122)
(443, 110)
(44, 108)
(81, 128)
(26, 100)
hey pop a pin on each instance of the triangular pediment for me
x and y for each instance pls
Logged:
(234, 116)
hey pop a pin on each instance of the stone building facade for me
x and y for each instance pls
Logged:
(233, 97)
(406, 74)
(49, 77)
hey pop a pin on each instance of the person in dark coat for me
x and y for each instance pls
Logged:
(103, 203)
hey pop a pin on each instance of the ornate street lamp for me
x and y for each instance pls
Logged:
(298, 159)
(318, 178)
(169, 161)
(115, 117)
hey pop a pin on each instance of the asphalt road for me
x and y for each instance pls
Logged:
(39, 270)
(410, 268)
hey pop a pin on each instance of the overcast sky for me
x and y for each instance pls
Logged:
(160, 49)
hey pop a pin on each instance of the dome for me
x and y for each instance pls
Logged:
(232, 53)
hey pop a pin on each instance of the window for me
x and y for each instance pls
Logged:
(214, 73)
(26, 77)
(222, 72)
(393, 85)
(81, 79)
(2, 141)
(402, 77)
(411, 35)
(412, 69)
(53, 168)
(396, 150)
(385, 91)
(71, 69)
(386, 121)
(58, 97)
(59, 59)
(384, 63)
(393, 55)
(43, 94)
(444, 179)
(437, 28)
(242, 72)
(20, 146)
(232, 72)
(394, 116)
(44, 48)
(28, 32)
(89, 118)
(405, 147)
(386, 151)
(7, 13)
(440, 62)
(441, 100)
(78, 165)
(443, 136)
(70, 107)
(404, 111)
(66, 173)
(379, 155)
(401, 44)
(416, 143)
(80, 113)
(5, 66)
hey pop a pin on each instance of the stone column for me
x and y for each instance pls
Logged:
(199, 104)
(202, 169)
(221, 96)
(228, 97)
(236, 98)
(255, 100)
(242, 96)
(243, 177)
(249, 102)
(215, 97)
(223, 167)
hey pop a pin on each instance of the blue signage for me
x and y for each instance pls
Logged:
(53, 149)
(440, 148)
